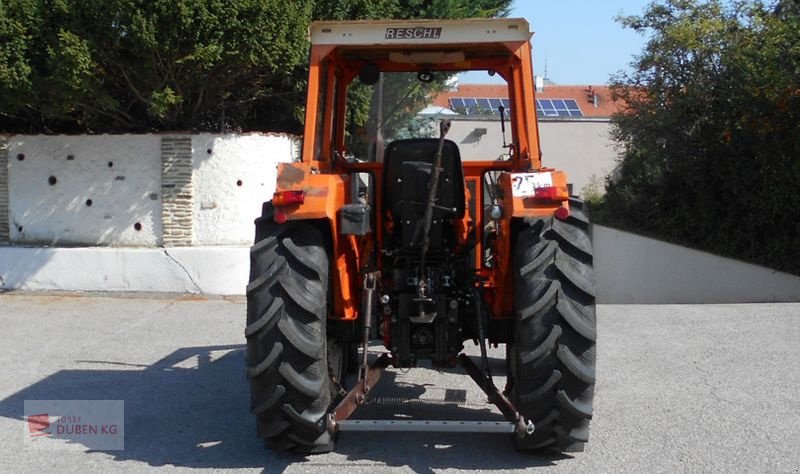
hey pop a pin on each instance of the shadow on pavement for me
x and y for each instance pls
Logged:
(424, 452)
(191, 409)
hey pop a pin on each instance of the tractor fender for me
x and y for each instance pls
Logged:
(526, 195)
(323, 197)
(534, 194)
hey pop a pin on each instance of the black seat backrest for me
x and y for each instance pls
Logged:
(418, 152)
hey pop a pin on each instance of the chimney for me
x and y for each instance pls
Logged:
(592, 96)
(539, 83)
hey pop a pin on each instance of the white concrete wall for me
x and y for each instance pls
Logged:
(474, 146)
(629, 269)
(210, 270)
(120, 174)
(233, 175)
(583, 149)
(635, 269)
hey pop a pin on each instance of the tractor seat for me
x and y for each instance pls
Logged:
(407, 169)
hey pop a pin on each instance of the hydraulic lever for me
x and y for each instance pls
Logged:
(433, 188)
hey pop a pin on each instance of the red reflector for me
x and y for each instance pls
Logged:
(279, 217)
(546, 192)
(562, 213)
(285, 198)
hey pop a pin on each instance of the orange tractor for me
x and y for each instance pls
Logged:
(383, 231)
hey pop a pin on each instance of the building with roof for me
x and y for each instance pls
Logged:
(574, 126)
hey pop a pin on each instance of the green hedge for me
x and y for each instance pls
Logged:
(711, 132)
(92, 66)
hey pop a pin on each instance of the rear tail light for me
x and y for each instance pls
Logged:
(546, 192)
(280, 217)
(562, 213)
(285, 198)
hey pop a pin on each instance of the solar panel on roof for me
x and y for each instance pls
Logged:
(572, 107)
(547, 108)
(544, 107)
(546, 104)
(557, 108)
(478, 106)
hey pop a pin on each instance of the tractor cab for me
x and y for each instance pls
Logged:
(376, 76)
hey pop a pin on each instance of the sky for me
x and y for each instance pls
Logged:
(578, 40)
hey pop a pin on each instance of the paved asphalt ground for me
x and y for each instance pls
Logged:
(680, 388)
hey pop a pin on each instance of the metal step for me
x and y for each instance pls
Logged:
(452, 426)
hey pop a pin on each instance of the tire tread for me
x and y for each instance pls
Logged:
(553, 358)
(286, 335)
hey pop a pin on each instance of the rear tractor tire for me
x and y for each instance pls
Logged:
(287, 351)
(552, 361)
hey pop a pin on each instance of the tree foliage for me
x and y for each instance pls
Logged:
(711, 133)
(143, 65)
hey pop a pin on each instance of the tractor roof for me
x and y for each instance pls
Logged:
(419, 32)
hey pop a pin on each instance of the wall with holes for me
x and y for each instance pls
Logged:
(233, 175)
(129, 190)
(85, 190)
